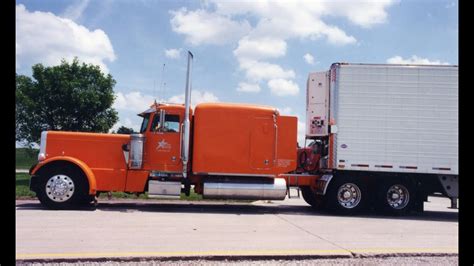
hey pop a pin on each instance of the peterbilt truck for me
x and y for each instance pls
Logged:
(382, 136)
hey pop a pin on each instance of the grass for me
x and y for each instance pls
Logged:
(23, 186)
(23, 191)
(25, 158)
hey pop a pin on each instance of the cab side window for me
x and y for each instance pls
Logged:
(146, 119)
(171, 123)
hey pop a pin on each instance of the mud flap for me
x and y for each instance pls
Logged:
(322, 184)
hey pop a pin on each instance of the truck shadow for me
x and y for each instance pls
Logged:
(239, 209)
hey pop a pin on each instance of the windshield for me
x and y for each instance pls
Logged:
(144, 126)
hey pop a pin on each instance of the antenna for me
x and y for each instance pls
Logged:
(154, 88)
(162, 89)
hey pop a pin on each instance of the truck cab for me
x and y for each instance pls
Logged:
(162, 128)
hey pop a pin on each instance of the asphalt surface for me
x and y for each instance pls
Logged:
(148, 229)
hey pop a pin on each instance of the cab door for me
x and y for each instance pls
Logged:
(163, 145)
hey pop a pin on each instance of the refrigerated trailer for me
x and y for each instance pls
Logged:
(386, 135)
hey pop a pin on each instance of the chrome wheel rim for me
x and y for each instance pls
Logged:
(349, 195)
(398, 197)
(59, 188)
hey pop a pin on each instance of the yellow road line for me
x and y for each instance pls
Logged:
(234, 253)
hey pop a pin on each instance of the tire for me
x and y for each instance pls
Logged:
(63, 187)
(346, 195)
(316, 201)
(395, 197)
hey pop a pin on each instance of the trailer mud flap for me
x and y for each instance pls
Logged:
(322, 184)
(450, 185)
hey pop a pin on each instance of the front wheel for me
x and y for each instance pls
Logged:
(346, 195)
(62, 188)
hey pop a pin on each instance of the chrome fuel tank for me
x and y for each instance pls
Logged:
(248, 191)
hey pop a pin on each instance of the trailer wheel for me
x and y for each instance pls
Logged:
(316, 201)
(396, 197)
(346, 195)
(62, 188)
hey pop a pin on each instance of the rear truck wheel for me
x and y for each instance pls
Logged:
(310, 196)
(395, 197)
(62, 188)
(346, 195)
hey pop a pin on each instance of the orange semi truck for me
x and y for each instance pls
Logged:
(239, 151)
(226, 151)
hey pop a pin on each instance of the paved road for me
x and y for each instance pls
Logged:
(125, 228)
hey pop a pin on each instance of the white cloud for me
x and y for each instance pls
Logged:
(337, 36)
(414, 60)
(197, 97)
(173, 53)
(276, 20)
(283, 87)
(256, 71)
(304, 19)
(273, 23)
(127, 122)
(42, 37)
(203, 27)
(133, 101)
(362, 13)
(137, 102)
(260, 48)
(75, 11)
(285, 111)
(308, 58)
(248, 87)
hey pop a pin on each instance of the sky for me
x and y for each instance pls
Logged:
(257, 52)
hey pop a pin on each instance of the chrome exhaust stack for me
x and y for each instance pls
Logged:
(187, 106)
(246, 191)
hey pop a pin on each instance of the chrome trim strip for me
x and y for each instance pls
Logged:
(235, 174)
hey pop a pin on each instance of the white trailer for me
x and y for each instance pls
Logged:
(387, 134)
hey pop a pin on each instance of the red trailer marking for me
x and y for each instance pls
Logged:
(360, 165)
(409, 167)
(383, 166)
(442, 168)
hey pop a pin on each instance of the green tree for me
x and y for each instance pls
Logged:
(70, 97)
(124, 130)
